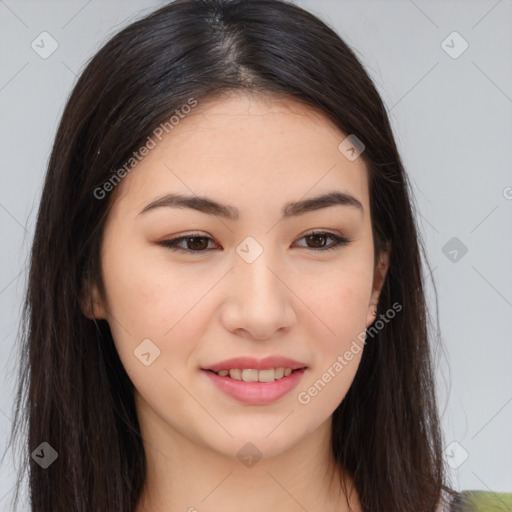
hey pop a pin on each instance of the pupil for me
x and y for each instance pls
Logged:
(317, 237)
(196, 245)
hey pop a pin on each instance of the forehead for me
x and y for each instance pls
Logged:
(247, 146)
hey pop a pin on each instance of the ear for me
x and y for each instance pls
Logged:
(91, 303)
(379, 277)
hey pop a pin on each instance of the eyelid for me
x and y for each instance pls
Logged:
(339, 241)
(171, 243)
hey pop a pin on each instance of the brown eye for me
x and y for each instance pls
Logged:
(318, 241)
(197, 243)
(191, 243)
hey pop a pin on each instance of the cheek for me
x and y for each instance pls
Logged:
(342, 306)
(147, 301)
(340, 298)
(340, 301)
(143, 293)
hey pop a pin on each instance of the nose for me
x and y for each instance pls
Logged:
(259, 303)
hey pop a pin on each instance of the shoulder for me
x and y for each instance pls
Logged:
(476, 501)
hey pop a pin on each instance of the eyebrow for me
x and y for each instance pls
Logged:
(291, 209)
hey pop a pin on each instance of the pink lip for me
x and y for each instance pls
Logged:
(256, 393)
(257, 364)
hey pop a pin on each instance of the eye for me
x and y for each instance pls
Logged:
(318, 240)
(194, 242)
(197, 243)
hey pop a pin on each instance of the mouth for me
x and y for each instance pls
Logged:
(251, 386)
(254, 375)
(255, 381)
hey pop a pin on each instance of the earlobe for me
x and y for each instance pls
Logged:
(379, 278)
(98, 309)
(91, 305)
(371, 314)
(381, 271)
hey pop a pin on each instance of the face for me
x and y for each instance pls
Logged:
(262, 275)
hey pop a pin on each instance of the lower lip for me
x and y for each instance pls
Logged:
(256, 393)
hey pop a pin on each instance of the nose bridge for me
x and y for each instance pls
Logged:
(259, 299)
(253, 269)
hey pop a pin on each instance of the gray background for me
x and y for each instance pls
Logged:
(452, 118)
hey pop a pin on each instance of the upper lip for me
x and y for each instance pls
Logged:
(256, 364)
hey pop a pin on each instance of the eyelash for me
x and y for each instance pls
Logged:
(172, 244)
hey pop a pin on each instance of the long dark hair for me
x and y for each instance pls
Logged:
(73, 391)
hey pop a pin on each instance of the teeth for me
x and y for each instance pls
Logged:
(252, 375)
(266, 375)
(235, 374)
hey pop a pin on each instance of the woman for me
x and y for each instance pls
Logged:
(225, 306)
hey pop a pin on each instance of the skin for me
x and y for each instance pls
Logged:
(256, 154)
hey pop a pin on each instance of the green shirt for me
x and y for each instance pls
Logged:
(482, 501)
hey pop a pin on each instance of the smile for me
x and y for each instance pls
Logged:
(255, 387)
(253, 375)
